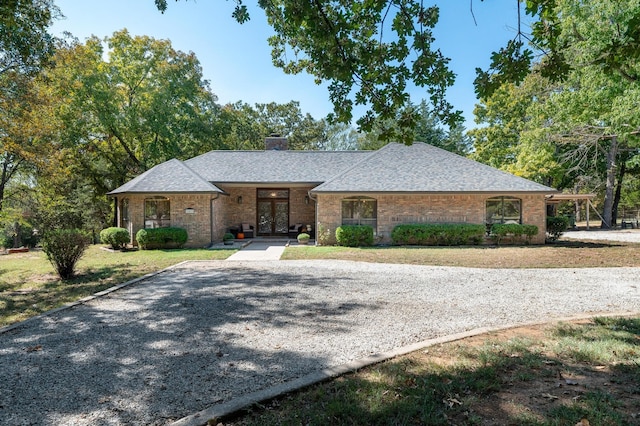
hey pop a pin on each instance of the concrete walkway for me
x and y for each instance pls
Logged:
(268, 250)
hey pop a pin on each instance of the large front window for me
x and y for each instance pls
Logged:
(504, 210)
(157, 212)
(360, 211)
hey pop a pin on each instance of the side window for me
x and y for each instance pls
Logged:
(157, 212)
(504, 210)
(125, 219)
(360, 211)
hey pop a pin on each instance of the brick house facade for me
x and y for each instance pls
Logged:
(275, 190)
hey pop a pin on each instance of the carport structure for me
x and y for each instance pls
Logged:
(555, 199)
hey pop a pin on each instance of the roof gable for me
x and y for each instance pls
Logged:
(170, 176)
(424, 168)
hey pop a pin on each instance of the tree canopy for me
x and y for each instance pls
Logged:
(369, 52)
(584, 112)
(24, 40)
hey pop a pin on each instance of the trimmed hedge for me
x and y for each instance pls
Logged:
(438, 234)
(117, 238)
(354, 235)
(515, 230)
(556, 225)
(161, 238)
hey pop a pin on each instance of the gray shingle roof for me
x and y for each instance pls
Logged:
(394, 168)
(424, 168)
(273, 166)
(170, 176)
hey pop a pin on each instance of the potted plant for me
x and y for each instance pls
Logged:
(228, 238)
(303, 238)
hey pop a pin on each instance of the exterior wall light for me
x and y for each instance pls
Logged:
(239, 199)
(306, 199)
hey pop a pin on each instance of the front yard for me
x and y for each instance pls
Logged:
(585, 373)
(565, 254)
(29, 285)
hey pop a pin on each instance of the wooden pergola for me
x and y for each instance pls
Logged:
(557, 198)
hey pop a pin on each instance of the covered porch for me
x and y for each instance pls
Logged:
(267, 212)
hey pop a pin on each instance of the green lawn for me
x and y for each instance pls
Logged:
(566, 254)
(29, 285)
(578, 374)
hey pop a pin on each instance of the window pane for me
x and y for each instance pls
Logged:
(360, 211)
(348, 209)
(273, 193)
(511, 211)
(503, 210)
(494, 211)
(368, 209)
(157, 212)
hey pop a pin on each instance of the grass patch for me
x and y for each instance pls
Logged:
(523, 376)
(29, 285)
(564, 254)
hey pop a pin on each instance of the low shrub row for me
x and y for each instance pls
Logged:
(438, 234)
(517, 232)
(161, 238)
(354, 235)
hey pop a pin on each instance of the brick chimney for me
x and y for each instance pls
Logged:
(275, 142)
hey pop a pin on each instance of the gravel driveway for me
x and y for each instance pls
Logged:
(207, 332)
(623, 235)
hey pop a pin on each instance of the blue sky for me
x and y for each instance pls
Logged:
(236, 59)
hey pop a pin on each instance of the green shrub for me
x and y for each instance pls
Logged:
(529, 232)
(228, 236)
(161, 238)
(304, 236)
(501, 230)
(354, 235)
(438, 234)
(64, 247)
(514, 230)
(556, 225)
(117, 238)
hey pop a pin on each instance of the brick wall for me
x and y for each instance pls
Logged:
(197, 224)
(418, 208)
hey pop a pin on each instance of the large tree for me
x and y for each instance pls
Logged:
(25, 46)
(592, 51)
(26, 128)
(369, 52)
(24, 41)
(243, 126)
(605, 33)
(144, 104)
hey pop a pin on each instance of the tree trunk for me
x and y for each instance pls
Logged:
(616, 198)
(610, 184)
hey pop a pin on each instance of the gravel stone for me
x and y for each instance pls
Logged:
(207, 332)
